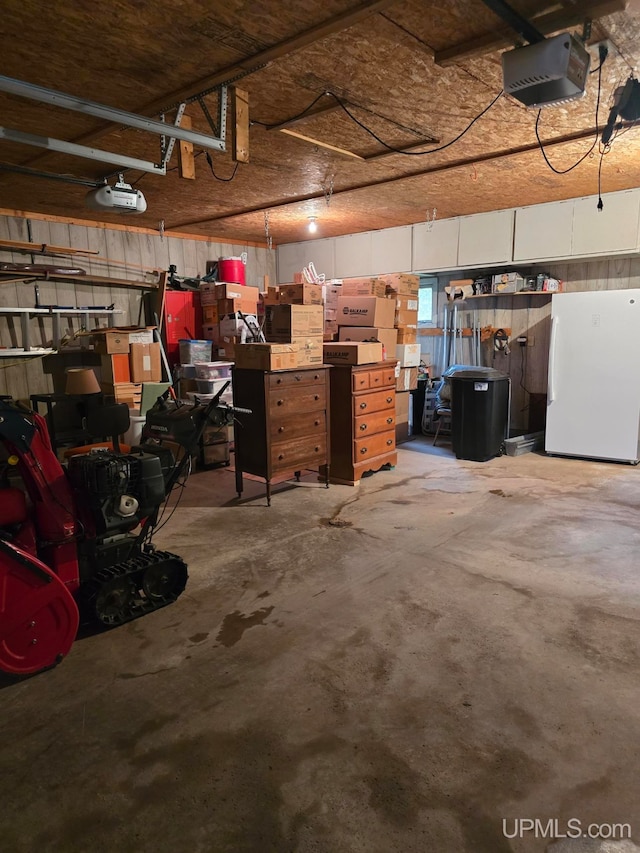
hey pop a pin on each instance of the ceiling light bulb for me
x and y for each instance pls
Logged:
(313, 225)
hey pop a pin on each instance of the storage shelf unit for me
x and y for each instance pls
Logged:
(519, 293)
(27, 314)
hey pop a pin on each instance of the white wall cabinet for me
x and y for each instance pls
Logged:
(610, 231)
(486, 238)
(353, 255)
(435, 245)
(543, 231)
(292, 257)
(391, 250)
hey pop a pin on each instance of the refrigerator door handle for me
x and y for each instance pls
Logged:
(552, 360)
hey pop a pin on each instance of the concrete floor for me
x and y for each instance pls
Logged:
(394, 667)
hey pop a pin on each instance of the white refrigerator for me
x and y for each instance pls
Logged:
(593, 394)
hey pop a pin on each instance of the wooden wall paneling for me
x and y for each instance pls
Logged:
(203, 254)
(191, 267)
(176, 254)
(539, 322)
(132, 254)
(634, 272)
(160, 247)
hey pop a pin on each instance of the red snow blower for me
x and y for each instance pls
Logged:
(75, 540)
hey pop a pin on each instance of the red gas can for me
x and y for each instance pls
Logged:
(232, 270)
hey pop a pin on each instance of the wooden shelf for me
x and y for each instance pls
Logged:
(12, 352)
(519, 293)
(26, 314)
(99, 280)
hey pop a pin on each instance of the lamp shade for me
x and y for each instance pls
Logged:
(82, 380)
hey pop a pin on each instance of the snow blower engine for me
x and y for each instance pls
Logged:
(76, 541)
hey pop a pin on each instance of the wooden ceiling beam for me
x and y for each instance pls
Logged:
(551, 22)
(317, 142)
(502, 154)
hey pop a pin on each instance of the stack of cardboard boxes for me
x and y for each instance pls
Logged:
(331, 290)
(128, 358)
(223, 308)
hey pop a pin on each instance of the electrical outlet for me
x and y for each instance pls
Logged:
(522, 340)
(530, 341)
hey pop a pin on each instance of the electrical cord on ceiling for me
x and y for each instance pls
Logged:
(291, 118)
(357, 121)
(217, 177)
(603, 56)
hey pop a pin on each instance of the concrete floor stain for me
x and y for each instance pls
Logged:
(235, 624)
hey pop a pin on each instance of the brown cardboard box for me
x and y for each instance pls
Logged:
(114, 368)
(144, 362)
(402, 406)
(109, 342)
(186, 385)
(406, 319)
(406, 303)
(330, 293)
(408, 355)
(208, 293)
(266, 356)
(216, 454)
(210, 313)
(248, 304)
(271, 296)
(387, 337)
(407, 335)
(363, 287)
(309, 350)
(349, 352)
(285, 322)
(227, 347)
(402, 283)
(407, 379)
(234, 291)
(300, 294)
(366, 311)
(211, 332)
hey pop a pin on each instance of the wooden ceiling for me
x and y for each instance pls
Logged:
(410, 70)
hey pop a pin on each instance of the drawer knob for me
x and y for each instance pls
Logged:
(316, 396)
(363, 427)
(317, 376)
(389, 441)
(280, 402)
(298, 378)
(316, 423)
(363, 450)
(389, 399)
(317, 449)
(363, 405)
(389, 420)
(280, 429)
(280, 455)
(376, 379)
(278, 381)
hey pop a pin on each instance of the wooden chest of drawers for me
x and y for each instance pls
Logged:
(289, 425)
(363, 419)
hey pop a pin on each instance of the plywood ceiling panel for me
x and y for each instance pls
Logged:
(130, 54)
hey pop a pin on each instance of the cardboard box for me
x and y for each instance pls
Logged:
(300, 294)
(387, 337)
(271, 296)
(507, 282)
(144, 363)
(406, 303)
(309, 350)
(349, 352)
(363, 287)
(330, 293)
(232, 325)
(266, 356)
(227, 347)
(407, 379)
(210, 314)
(141, 336)
(248, 305)
(285, 322)
(114, 368)
(331, 313)
(216, 454)
(404, 283)
(366, 311)
(235, 291)
(406, 319)
(208, 293)
(407, 335)
(408, 355)
(211, 332)
(402, 406)
(109, 342)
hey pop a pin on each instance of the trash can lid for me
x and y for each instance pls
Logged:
(486, 374)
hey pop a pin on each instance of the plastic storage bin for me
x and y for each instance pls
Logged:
(213, 370)
(210, 386)
(192, 351)
(479, 413)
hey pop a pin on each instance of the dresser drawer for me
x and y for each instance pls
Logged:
(293, 378)
(373, 445)
(373, 422)
(300, 453)
(289, 426)
(360, 380)
(294, 400)
(375, 401)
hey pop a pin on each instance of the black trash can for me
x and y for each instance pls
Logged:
(479, 413)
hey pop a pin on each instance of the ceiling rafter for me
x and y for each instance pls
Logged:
(551, 22)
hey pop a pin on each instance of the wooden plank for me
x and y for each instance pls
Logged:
(41, 248)
(321, 144)
(89, 279)
(186, 161)
(240, 125)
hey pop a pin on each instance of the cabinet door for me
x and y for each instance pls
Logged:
(543, 231)
(486, 238)
(615, 229)
(353, 255)
(435, 245)
(391, 250)
(292, 257)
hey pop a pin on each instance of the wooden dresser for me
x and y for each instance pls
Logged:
(288, 429)
(363, 419)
